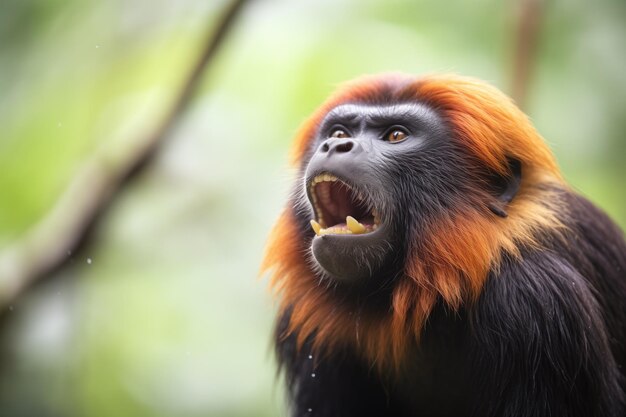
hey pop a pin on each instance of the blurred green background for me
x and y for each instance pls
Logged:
(162, 313)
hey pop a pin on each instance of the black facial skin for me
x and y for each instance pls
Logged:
(426, 165)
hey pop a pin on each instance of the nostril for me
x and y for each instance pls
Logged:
(334, 145)
(345, 147)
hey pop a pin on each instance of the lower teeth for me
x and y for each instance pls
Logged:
(352, 227)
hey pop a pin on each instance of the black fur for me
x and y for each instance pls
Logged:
(546, 338)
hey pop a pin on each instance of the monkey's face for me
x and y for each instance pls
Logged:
(374, 175)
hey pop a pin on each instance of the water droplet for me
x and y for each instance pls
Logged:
(313, 375)
(89, 261)
(310, 356)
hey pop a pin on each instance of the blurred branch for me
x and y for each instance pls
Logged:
(526, 40)
(65, 228)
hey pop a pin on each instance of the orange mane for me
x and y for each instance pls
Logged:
(454, 257)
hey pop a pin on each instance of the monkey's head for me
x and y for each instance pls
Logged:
(409, 192)
(364, 161)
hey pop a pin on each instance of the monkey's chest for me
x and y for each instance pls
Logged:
(437, 379)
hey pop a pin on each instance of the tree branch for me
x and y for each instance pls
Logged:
(526, 40)
(46, 247)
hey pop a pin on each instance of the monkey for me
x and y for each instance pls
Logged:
(432, 261)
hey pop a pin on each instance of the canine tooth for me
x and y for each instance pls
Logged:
(316, 227)
(354, 226)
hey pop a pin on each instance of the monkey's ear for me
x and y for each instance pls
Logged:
(505, 187)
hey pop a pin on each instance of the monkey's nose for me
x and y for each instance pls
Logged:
(331, 146)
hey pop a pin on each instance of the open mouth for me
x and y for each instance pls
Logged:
(340, 208)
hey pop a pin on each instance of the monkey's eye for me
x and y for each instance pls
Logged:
(339, 133)
(396, 135)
